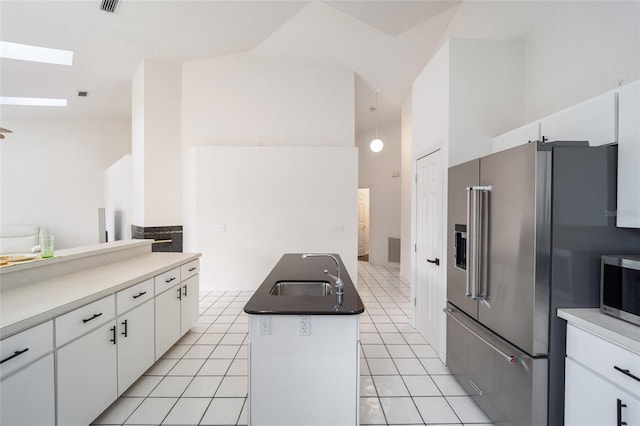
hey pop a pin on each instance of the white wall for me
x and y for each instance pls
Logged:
(375, 172)
(486, 94)
(406, 137)
(157, 144)
(580, 50)
(52, 174)
(118, 201)
(270, 201)
(284, 196)
(574, 50)
(250, 99)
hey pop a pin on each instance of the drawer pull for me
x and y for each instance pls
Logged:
(124, 333)
(170, 279)
(192, 269)
(139, 294)
(15, 354)
(93, 317)
(626, 373)
(619, 407)
(113, 330)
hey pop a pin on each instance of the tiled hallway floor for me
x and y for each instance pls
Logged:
(202, 380)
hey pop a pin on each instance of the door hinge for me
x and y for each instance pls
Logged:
(415, 247)
(416, 178)
(414, 301)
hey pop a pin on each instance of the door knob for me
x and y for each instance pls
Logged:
(436, 261)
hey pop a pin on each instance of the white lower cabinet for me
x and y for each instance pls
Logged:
(27, 397)
(189, 304)
(87, 376)
(593, 401)
(167, 319)
(176, 313)
(135, 344)
(602, 383)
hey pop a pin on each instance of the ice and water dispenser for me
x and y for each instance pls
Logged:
(460, 246)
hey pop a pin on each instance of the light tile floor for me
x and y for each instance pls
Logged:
(202, 379)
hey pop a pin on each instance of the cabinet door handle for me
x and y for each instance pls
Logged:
(619, 407)
(185, 291)
(192, 269)
(124, 333)
(113, 330)
(139, 294)
(627, 373)
(179, 293)
(170, 279)
(84, 321)
(15, 354)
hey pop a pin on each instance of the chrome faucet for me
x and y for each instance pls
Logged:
(337, 279)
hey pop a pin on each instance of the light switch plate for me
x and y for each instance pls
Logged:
(219, 228)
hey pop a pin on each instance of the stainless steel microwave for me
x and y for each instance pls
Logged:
(620, 287)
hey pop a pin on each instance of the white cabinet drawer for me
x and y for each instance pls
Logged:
(84, 319)
(603, 357)
(190, 269)
(134, 296)
(167, 280)
(22, 348)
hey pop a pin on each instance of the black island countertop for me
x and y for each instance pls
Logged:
(292, 267)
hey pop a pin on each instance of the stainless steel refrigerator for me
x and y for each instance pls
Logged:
(526, 229)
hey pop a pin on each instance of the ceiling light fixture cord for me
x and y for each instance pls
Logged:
(376, 113)
(376, 145)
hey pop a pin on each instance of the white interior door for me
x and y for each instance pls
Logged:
(429, 284)
(363, 221)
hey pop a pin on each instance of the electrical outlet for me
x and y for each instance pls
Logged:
(265, 324)
(305, 326)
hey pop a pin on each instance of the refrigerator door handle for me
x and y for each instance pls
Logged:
(482, 292)
(476, 271)
(471, 244)
(511, 359)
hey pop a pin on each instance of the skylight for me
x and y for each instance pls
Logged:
(26, 52)
(10, 100)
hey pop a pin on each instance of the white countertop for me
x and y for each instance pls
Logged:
(611, 329)
(31, 304)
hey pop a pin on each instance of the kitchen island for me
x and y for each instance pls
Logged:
(303, 345)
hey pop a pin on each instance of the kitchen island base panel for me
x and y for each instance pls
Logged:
(304, 379)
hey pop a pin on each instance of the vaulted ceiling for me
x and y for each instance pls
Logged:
(386, 43)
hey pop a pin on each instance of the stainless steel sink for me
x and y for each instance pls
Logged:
(301, 288)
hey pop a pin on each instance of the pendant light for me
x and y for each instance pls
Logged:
(376, 145)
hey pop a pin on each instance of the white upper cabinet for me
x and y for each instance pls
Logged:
(527, 133)
(593, 120)
(628, 214)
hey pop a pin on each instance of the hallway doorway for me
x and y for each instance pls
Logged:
(363, 224)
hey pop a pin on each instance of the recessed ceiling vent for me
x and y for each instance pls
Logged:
(109, 5)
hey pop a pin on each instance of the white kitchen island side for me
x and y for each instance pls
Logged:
(299, 379)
